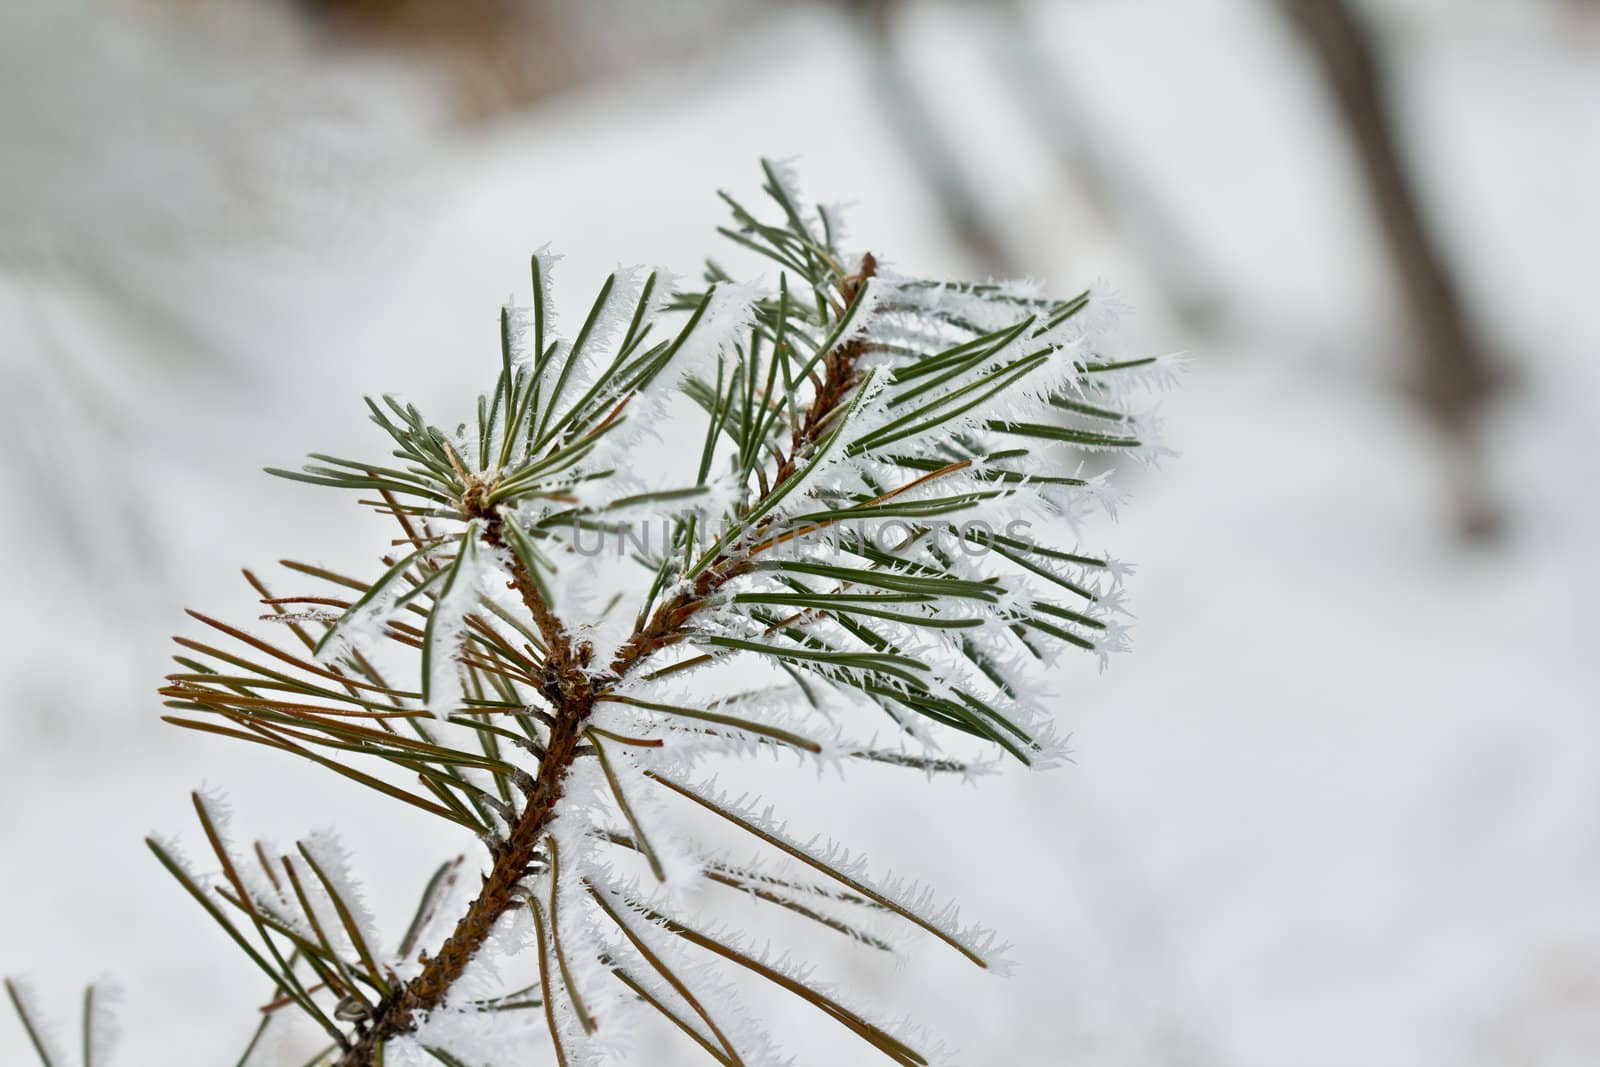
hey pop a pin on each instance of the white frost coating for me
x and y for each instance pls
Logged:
(599, 343)
(278, 1044)
(486, 975)
(697, 972)
(460, 1026)
(833, 469)
(275, 896)
(787, 180)
(334, 862)
(728, 315)
(219, 809)
(521, 319)
(261, 889)
(450, 903)
(104, 1029)
(577, 865)
(547, 261)
(668, 284)
(362, 628)
(475, 1038)
(782, 964)
(953, 411)
(519, 325)
(835, 861)
(863, 312)
(994, 639)
(930, 310)
(619, 308)
(44, 1029)
(609, 499)
(833, 217)
(1164, 373)
(503, 966)
(774, 705)
(689, 739)
(1105, 311)
(678, 860)
(448, 623)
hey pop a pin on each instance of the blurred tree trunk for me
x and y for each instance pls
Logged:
(1113, 190)
(498, 56)
(1123, 204)
(1455, 378)
(923, 137)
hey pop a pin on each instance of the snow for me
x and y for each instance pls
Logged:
(1339, 804)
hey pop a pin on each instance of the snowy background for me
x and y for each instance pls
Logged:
(1341, 803)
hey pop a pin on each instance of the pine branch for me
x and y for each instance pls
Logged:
(570, 691)
(550, 710)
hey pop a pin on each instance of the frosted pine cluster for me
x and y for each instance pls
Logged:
(689, 525)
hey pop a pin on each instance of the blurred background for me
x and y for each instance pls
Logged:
(1340, 805)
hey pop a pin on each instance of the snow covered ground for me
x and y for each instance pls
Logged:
(1339, 806)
